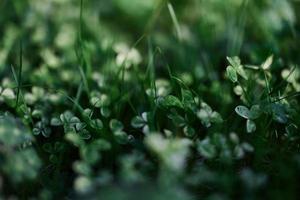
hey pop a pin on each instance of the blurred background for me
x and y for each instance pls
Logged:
(195, 35)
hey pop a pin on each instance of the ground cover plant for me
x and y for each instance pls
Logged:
(152, 99)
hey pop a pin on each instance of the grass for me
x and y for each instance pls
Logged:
(170, 99)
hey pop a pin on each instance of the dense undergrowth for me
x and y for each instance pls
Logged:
(154, 99)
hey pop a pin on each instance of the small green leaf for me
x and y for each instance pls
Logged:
(87, 112)
(252, 67)
(36, 113)
(235, 61)
(172, 101)
(96, 102)
(21, 165)
(238, 152)
(207, 149)
(292, 132)
(90, 154)
(231, 74)
(247, 147)
(255, 112)
(82, 168)
(243, 111)
(240, 70)
(177, 119)
(55, 122)
(189, 131)
(102, 144)
(138, 122)
(268, 62)
(74, 139)
(234, 138)
(187, 98)
(46, 132)
(48, 147)
(146, 129)
(116, 125)
(105, 112)
(8, 94)
(121, 137)
(66, 116)
(36, 131)
(278, 112)
(251, 127)
(74, 120)
(96, 124)
(216, 117)
(291, 129)
(84, 134)
(79, 126)
(83, 184)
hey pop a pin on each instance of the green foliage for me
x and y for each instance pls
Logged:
(18, 158)
(157, 99)
(171, 101)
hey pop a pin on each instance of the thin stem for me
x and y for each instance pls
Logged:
(282, 82)
(19, 79)
(287, 97)
(245, 93)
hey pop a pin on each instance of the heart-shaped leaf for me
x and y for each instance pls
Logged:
(187, 98)
(172, 101)
(96, 124)
(105, 112)
(207, 149)
(56, 122)
(96, 102)
(84, 134)
(121, 137)
(115, 125)
(87, 112)
(268, 62)
(189, 131)
(235, 62)
(243, 111)
(231, 74)
(48, 147)
(138, 122)
(255, 112)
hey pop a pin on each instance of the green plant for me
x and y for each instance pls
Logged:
(126, 99)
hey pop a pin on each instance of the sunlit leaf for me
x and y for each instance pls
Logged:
(251, 127)
(116, 125)
(243, 111)
(172, 101)
(268, 62)
(231, 74)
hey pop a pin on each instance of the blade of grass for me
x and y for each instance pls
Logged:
(234, 45)
(122, 71)
(79, 53)
(20, 93)
(295, 94)
(78, 95)
(151, 68)
(175, 21)
(282, 82)
(154, 17)
(19, 79)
